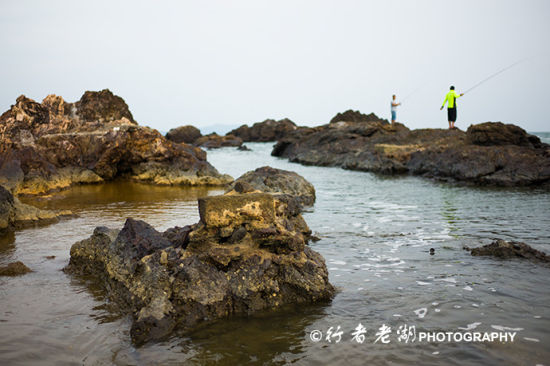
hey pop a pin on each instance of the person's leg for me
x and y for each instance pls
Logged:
(393, 116)
(452, 117)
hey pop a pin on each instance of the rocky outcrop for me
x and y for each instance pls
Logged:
(7, 211)
(268, 130)
(14, 269)
(248, 252)
(356, 116)
(508, 250)
(214, 141)
(102, 106)
(16, 215)
(187, 134)
(499, 134)
(276, 181)
(488, 154)
(53, 144)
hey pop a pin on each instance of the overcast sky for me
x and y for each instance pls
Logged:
(234, 62)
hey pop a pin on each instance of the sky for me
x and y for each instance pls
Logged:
(233, 62)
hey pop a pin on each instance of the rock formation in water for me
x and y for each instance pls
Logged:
(248, 252)
(16, 215)
(508, 250)
(268, 130)
(187, 134)
(214, 141)
(276, 181)
(53, 144)
(14, 269)
(487, 154)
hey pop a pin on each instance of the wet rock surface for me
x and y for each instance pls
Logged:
(51, 145)
(508, 250)
(248, 252)
(7, 211)
(16, 215)
(487, 154)
(268, 130)
(276, 181)
(187, 134)
(14, 269)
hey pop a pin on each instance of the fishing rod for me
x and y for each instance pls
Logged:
(495, 74)
(410, 94)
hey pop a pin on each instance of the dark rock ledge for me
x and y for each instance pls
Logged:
(491, 153)
(509, 250)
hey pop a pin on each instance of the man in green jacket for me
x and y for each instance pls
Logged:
(450, 99)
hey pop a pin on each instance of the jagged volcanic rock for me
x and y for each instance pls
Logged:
(53, 144)
(247, 253)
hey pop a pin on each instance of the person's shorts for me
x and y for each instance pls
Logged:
(451, 112)
(393, 115)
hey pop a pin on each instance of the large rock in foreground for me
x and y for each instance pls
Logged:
(488, 154)
(53, 144)
(248, 252)
(268, 130)
(276, 181)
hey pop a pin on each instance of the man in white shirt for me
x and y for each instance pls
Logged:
(394, 106)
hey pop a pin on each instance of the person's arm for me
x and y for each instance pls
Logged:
(395, 104)
(445, 101)
(458, 95)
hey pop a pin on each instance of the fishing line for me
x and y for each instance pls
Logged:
(495, 74)
(413, 92)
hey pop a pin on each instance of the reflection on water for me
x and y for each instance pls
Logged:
(375, 235)
(449, 211)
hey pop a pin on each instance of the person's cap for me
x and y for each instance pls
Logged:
(452, 87)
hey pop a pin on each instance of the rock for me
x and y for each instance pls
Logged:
(498, 133)
(7, 211)
(268, 130)
(434, 153)
(244, 148)
(187, 134)
(247, 253)
(508, 250)
(276, 181)
(14, 269)
(102, 106)
(52, 145)
(214, 141)
(16, 215)
(356, 116)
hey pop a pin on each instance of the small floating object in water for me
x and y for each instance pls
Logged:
(50, 257)
(432, 251)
